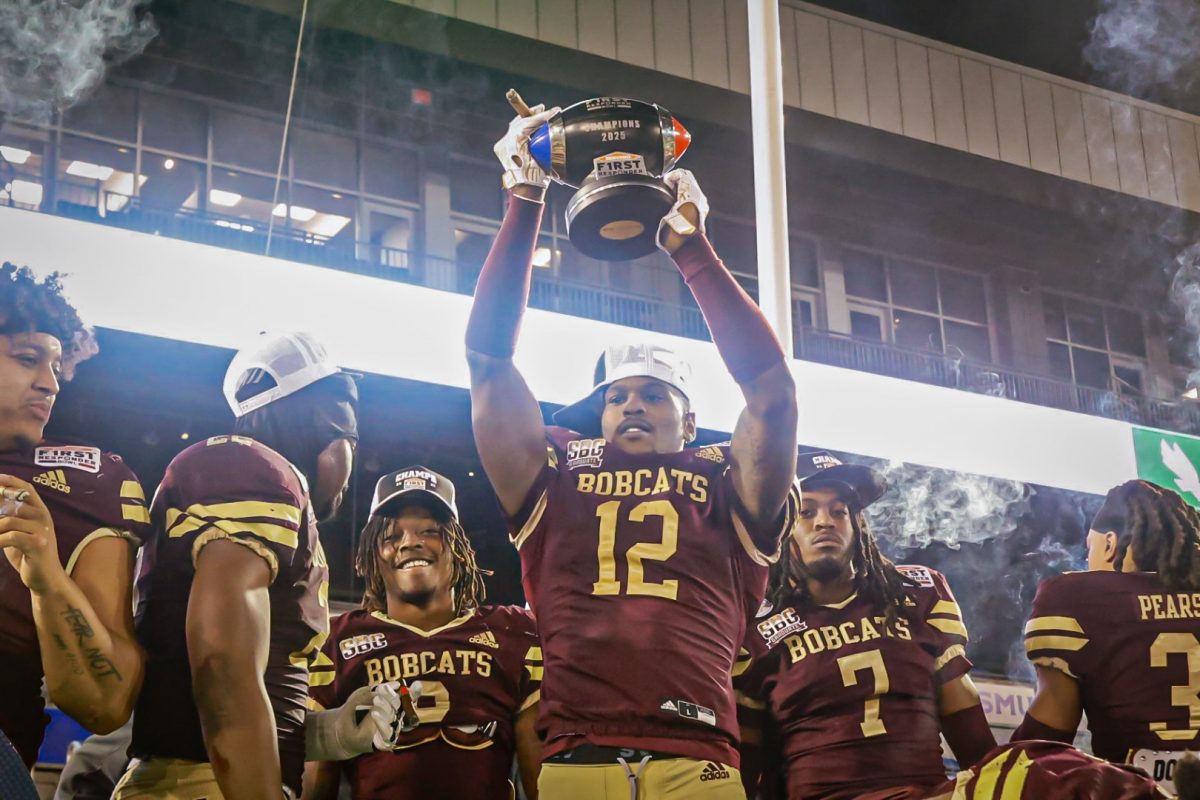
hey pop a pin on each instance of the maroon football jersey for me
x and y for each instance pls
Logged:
(855, 705)
(643, 577)
(476, 674)
(1049, 771)
(91, 495)
(229, 487)
(1133, 647)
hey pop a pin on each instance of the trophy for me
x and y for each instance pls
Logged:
(614, 151)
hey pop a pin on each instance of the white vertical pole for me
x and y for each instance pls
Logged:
(770, 177)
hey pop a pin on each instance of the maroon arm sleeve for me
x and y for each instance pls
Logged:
(503, 287)
(968, 734)
(1031, 728)
(743, 338)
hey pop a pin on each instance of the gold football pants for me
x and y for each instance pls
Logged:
(168, 779)
(653, 779)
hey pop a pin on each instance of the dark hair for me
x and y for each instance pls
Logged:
(1158, 529)
(878, 579)
(28, 305)
(301, 425)
(466, 579)
(1187, 777)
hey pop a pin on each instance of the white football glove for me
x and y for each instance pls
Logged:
(687, 190)
(336, 734)
(513, 149)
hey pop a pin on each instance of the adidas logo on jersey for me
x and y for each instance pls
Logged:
(55, 479)
(487, 639)
(714, 772)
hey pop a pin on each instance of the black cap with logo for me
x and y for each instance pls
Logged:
(819, 469)
(415, 482)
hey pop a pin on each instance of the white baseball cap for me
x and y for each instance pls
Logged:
(293, 360)
(642, 360)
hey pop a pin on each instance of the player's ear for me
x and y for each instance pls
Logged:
(1110, 546)
(689, 427)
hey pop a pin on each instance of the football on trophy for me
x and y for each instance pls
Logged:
(614, 151)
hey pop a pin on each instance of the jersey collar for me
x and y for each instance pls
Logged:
(454, 623)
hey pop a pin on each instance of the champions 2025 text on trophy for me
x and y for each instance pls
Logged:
(614, 151)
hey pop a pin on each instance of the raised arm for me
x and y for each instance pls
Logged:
(228, 634)
(764, 440)
(92, 663)
(506, 418)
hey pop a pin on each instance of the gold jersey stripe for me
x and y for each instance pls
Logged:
(989, 777)
(248, 509)
(132, 490)
(534, 654)
(1035, 643)
(946, 607)
(321, 678)
(531, 524)
(535, 673)
(234, 527)
(321, 660)
(952, 652)
(951, 626)
(1053, 624)
(135, 513)
(1014, 782)
(740, 666)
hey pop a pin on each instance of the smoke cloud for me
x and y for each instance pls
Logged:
(925, 505)
(1147, 46)
(53, 52)
(1185, 295)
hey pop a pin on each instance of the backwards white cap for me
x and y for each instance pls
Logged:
(642, 360)
(293, 360)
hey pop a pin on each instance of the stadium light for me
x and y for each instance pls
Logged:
(86, 169)
(329, 225)
(541, 257)
(14, 155)
(24, 192)
(298, 213)
(168, 164)
(220, 197)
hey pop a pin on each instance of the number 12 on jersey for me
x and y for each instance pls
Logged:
(607, 583)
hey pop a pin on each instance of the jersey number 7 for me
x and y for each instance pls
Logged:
(850, 666)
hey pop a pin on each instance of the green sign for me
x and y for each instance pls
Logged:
(1169, 459)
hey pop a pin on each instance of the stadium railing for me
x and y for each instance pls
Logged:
(647, 313)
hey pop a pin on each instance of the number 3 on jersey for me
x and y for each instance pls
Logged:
(642, 551)
(1187, 695)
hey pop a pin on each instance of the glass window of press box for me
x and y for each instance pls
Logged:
(1095, 344)
(917, 305)
(175, 164)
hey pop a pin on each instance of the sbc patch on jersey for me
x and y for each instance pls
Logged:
(775, 628)
(363, 643)
(73, 456)
(585, 453)
(918, 575)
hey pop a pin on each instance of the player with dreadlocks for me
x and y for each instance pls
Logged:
(71, 517)
(1121, 641)
(863, 663)
(474, 669)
